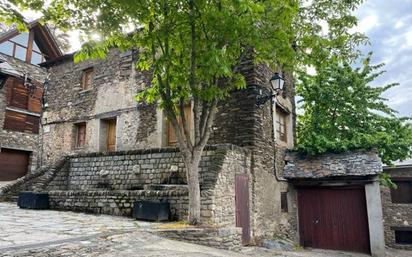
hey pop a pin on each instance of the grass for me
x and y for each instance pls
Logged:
(175, 225)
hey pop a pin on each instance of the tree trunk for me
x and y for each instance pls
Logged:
(192, 161)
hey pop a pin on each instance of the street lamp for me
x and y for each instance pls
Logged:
(277, 83)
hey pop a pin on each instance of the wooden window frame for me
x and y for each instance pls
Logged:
(281, 115)
(29, 49)
(87, 79)
(405, 199)
(80, 143)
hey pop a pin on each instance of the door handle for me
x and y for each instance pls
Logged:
(316, 221)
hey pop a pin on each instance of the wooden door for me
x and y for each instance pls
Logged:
(171, 134)
(334, 218)
(242, 206)
(111, 135)
(13, 164)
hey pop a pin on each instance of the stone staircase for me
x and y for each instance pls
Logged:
(36, 181)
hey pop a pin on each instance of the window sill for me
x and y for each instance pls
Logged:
(18, 131)
(24, 111)
(85, 91)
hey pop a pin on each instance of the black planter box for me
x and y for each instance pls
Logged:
(32, 200)
(152, 211)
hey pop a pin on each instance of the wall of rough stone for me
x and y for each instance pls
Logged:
(239, 121)
(119, 202)
(18, 140)
(115, 83)
(229, 238)
(110, 182)
(396, 215)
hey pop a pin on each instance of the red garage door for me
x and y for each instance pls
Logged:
(334, 218)
(13, 164)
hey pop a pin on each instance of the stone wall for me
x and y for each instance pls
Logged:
(119, 202)
(396, 215)
(352, 163)
(110, 182)
(229, 238)
(240, 121)
(111, 96)
(18, 140)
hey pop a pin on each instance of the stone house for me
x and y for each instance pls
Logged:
(89, 107)
(21, 90)
(101, 151)
(397, 206)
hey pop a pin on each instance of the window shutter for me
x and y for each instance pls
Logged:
(21, 122)
(20, 96)
(32, 124)
(81, 134)
(35, 100)
(171, 135)
(87, 78)
(15, 121)
(9, 88)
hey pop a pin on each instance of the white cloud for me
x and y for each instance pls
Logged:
(408, 37)
(399, 24)
(367, 23)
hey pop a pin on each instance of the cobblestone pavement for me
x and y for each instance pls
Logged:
(48, 233)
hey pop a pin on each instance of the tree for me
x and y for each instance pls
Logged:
(62, 38)
(193, 49)
(343, 111)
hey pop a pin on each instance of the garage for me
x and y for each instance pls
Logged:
(13, 164)
(334, 218)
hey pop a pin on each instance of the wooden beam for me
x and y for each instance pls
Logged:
(29, 47)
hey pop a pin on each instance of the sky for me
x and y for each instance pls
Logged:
(388, 24)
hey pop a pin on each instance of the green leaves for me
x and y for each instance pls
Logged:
(342, 111)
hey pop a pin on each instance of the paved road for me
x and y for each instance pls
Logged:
(52, 233)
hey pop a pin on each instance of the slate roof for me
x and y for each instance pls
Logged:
(348, 164)
(17, 68)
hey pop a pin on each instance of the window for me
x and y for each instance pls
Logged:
(21, 39)
(403, 236)
(284, 201)
(17, 96)
(21, 122)
(403, 194)
(171, 136)
(281, 125)
(87, 78)
(18, 47)
(36, 58)
(7, 48)
(20, 52)
(80, 134)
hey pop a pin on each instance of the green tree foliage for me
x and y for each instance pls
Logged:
(343, 111)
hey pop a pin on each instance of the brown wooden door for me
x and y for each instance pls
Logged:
(242, 206)
(13, 164)
(111, 135)
(171, 134)
(334, 218)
